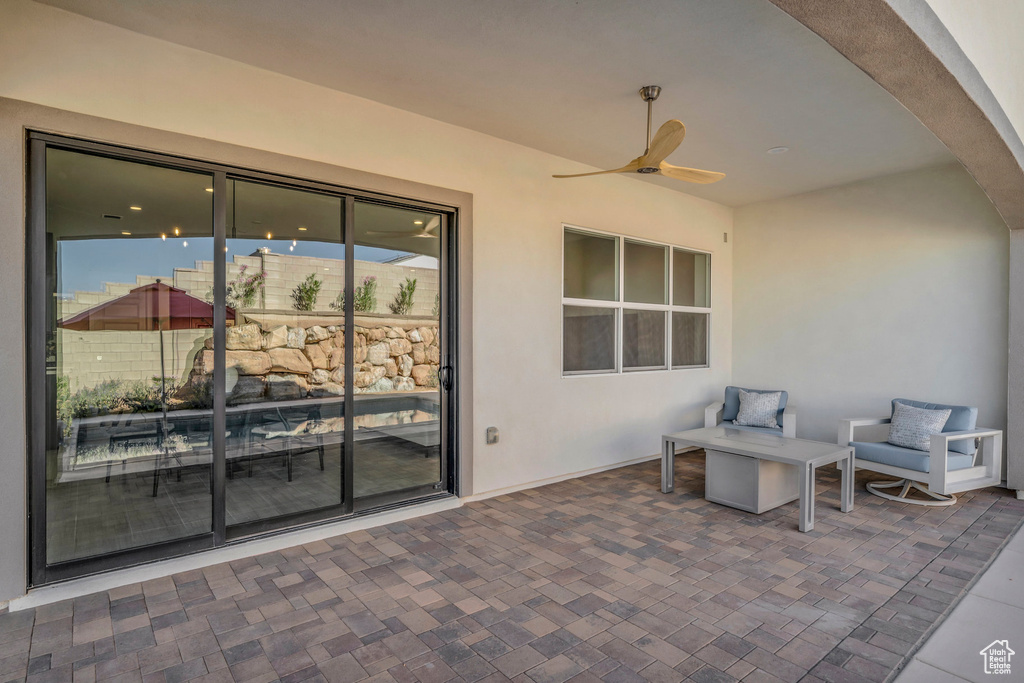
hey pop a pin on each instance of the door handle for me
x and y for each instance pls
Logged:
(445, 375)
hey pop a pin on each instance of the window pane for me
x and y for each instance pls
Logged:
(691, 279)
(285, 373)
(588, 343)
(643, 340)
(128, 439)
(591, 270)
(646, 273)
(689, 339)
(398, 351)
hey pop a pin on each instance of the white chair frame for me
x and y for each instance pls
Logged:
(938, 483)
(713, 418)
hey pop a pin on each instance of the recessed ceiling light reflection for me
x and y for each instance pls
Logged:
(135, 208)
(184, 243)
(209, 189)
(125, 232)
(302, 228)
(163, 236)
(177, 232)
(291, 248)
(417, 222)
(295, 243)
(269, 236)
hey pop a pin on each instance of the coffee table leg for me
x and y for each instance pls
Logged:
(847, 483)
(668, 456)
(807, 497)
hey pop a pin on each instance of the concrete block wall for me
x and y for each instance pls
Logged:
(93, 357)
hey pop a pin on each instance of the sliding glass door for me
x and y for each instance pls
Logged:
(128, 458)
(222, 353)
(285, 377)
(398, 342)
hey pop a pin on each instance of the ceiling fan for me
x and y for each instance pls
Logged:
(665, 141)
(426, 231)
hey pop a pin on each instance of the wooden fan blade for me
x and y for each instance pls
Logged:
(665, 141)
(690, 175)
(628, 168)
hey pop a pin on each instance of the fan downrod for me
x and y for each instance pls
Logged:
(649, 93)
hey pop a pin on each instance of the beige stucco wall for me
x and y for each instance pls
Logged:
(550, 426)
(892, 287)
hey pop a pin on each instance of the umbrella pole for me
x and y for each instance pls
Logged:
(163, 410)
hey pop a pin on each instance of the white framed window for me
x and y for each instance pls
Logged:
(632, 305)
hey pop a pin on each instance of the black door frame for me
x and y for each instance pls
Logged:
(39, 310)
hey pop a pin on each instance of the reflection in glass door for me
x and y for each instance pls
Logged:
(213, 354)
(397, 353)
(284, 357)
(128, 448)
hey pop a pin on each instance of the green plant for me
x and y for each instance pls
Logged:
(436, 310)
(194, 395)
(244, 290)
(126, 396)
(306, 292)
(365, 299)
(139, 396)
(402, 303)
(64, 402)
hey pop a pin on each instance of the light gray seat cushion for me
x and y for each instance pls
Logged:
(763, 430)
(907, 458)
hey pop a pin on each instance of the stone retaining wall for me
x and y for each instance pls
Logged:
(286, 362)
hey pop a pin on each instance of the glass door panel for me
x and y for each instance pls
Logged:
(128, 452)
(284, 356)
(397, 352)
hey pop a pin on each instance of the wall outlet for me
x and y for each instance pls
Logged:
(492, 435)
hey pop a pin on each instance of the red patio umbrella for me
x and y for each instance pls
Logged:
(155, 306)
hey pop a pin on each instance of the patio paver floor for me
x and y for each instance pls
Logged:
(597, 578)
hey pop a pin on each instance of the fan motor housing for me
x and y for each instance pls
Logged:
(648, 169)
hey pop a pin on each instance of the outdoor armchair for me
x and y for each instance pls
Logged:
(724, 413)
(960, 458)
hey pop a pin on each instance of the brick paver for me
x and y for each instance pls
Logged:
(598, 578)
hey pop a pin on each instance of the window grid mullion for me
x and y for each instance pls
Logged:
(620, 305)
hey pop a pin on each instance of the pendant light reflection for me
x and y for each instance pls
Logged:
(184, 243)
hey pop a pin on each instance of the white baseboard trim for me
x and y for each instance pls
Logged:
(562, 477)
(124, 577)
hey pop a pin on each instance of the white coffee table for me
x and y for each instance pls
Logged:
(735, 475)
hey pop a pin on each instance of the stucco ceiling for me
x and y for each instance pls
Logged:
(562, 77)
